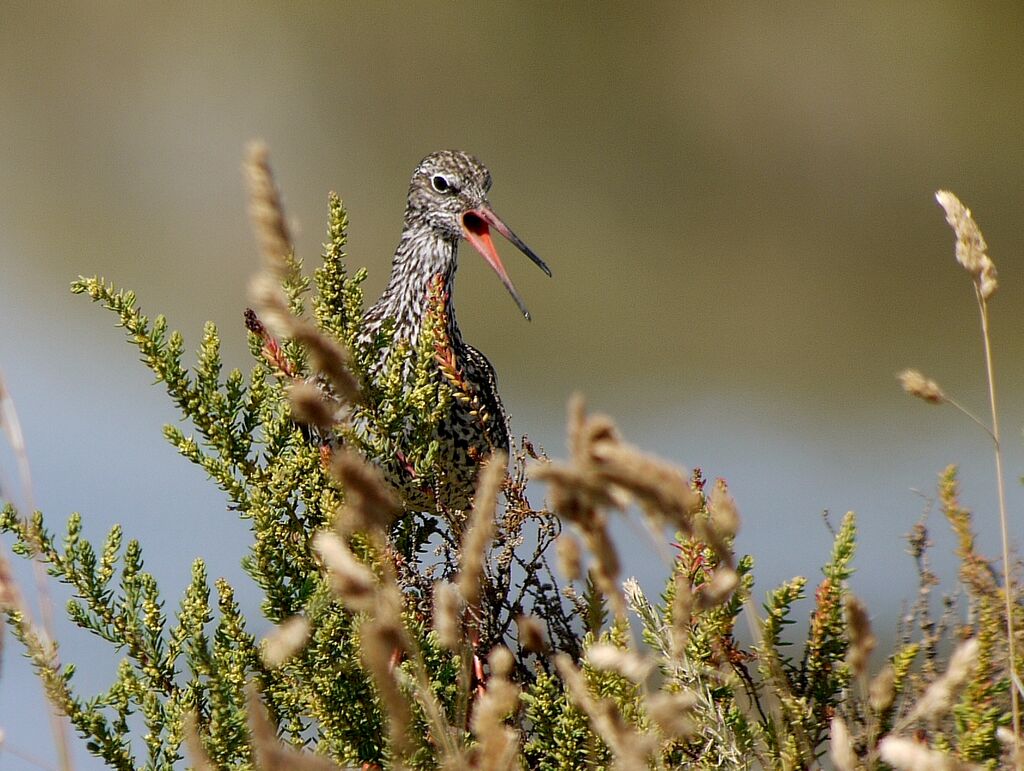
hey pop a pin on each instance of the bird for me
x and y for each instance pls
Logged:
(447, 203)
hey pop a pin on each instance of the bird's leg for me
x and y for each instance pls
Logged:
(478, 664)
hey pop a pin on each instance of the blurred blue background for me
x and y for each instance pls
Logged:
(736, 201)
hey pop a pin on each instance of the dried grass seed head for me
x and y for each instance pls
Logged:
(531, 634)
(988, 283)
(266, 294)
(584, 433)
(862, 638)
(327, 357)
(197, 753)
(501, 661)
(662, 488)
(909, 755)
(606, 563)
(285, 641)
(270, 753)
(682, 613)
(378, 641)
(938, 697)
(266, 209)
(605, 718)
(352, 582)
(311, 406)
(725, 517)
(613, 471)
(577, 414)
(1008, 739)
(611, 658)
(916, 384)
(882, 690)
(971, 249)
(840, 748)
(575, 492)
(671, 712)
(448, 608)
(370, 503)
(721, 586)
(570, 560)
(497, 744)
(480, 531)
(594, 432)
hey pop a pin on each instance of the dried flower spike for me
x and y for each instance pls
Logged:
(447, 614)
(916, 384)
(270, 753)
(988, 283)
(938, 697)
(498, 743)
(569, 559)
(370, 504)
(971, 249)
(682, 613)
(327, 357)
(311, 406)
(719, 588)
(722, 506)
(614, 659)
(197, 754)
(882, 691)
(266, 209)
(481, 527)
(501, 662)
(862, 639)
(287, 639)
(631, 749)
(378, 640)
(841, 747)
(908, 755)
(531, 634)
(671, 713)
(352, 582)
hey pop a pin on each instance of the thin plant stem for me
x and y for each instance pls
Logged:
(972, 416)
(12, 428)
(1003, 524)
(32, 760)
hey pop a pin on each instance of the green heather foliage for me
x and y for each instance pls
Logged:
(620, 682)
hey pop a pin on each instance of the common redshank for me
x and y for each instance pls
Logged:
(447, 203)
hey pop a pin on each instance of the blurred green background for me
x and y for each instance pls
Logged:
(736, 201)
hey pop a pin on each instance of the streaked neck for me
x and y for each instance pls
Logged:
(421, 255)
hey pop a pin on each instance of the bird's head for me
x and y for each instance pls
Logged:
(448, 193)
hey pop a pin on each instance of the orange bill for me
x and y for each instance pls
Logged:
(476, 227)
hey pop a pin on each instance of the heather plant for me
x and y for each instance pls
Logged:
(445, 639)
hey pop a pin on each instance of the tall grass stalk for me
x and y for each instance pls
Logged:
(972, 254)
(1003, 524)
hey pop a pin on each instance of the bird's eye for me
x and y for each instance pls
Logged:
(441, 184)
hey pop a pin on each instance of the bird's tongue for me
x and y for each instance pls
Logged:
(477, 231)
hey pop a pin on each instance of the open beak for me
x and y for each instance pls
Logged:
(476, 228)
